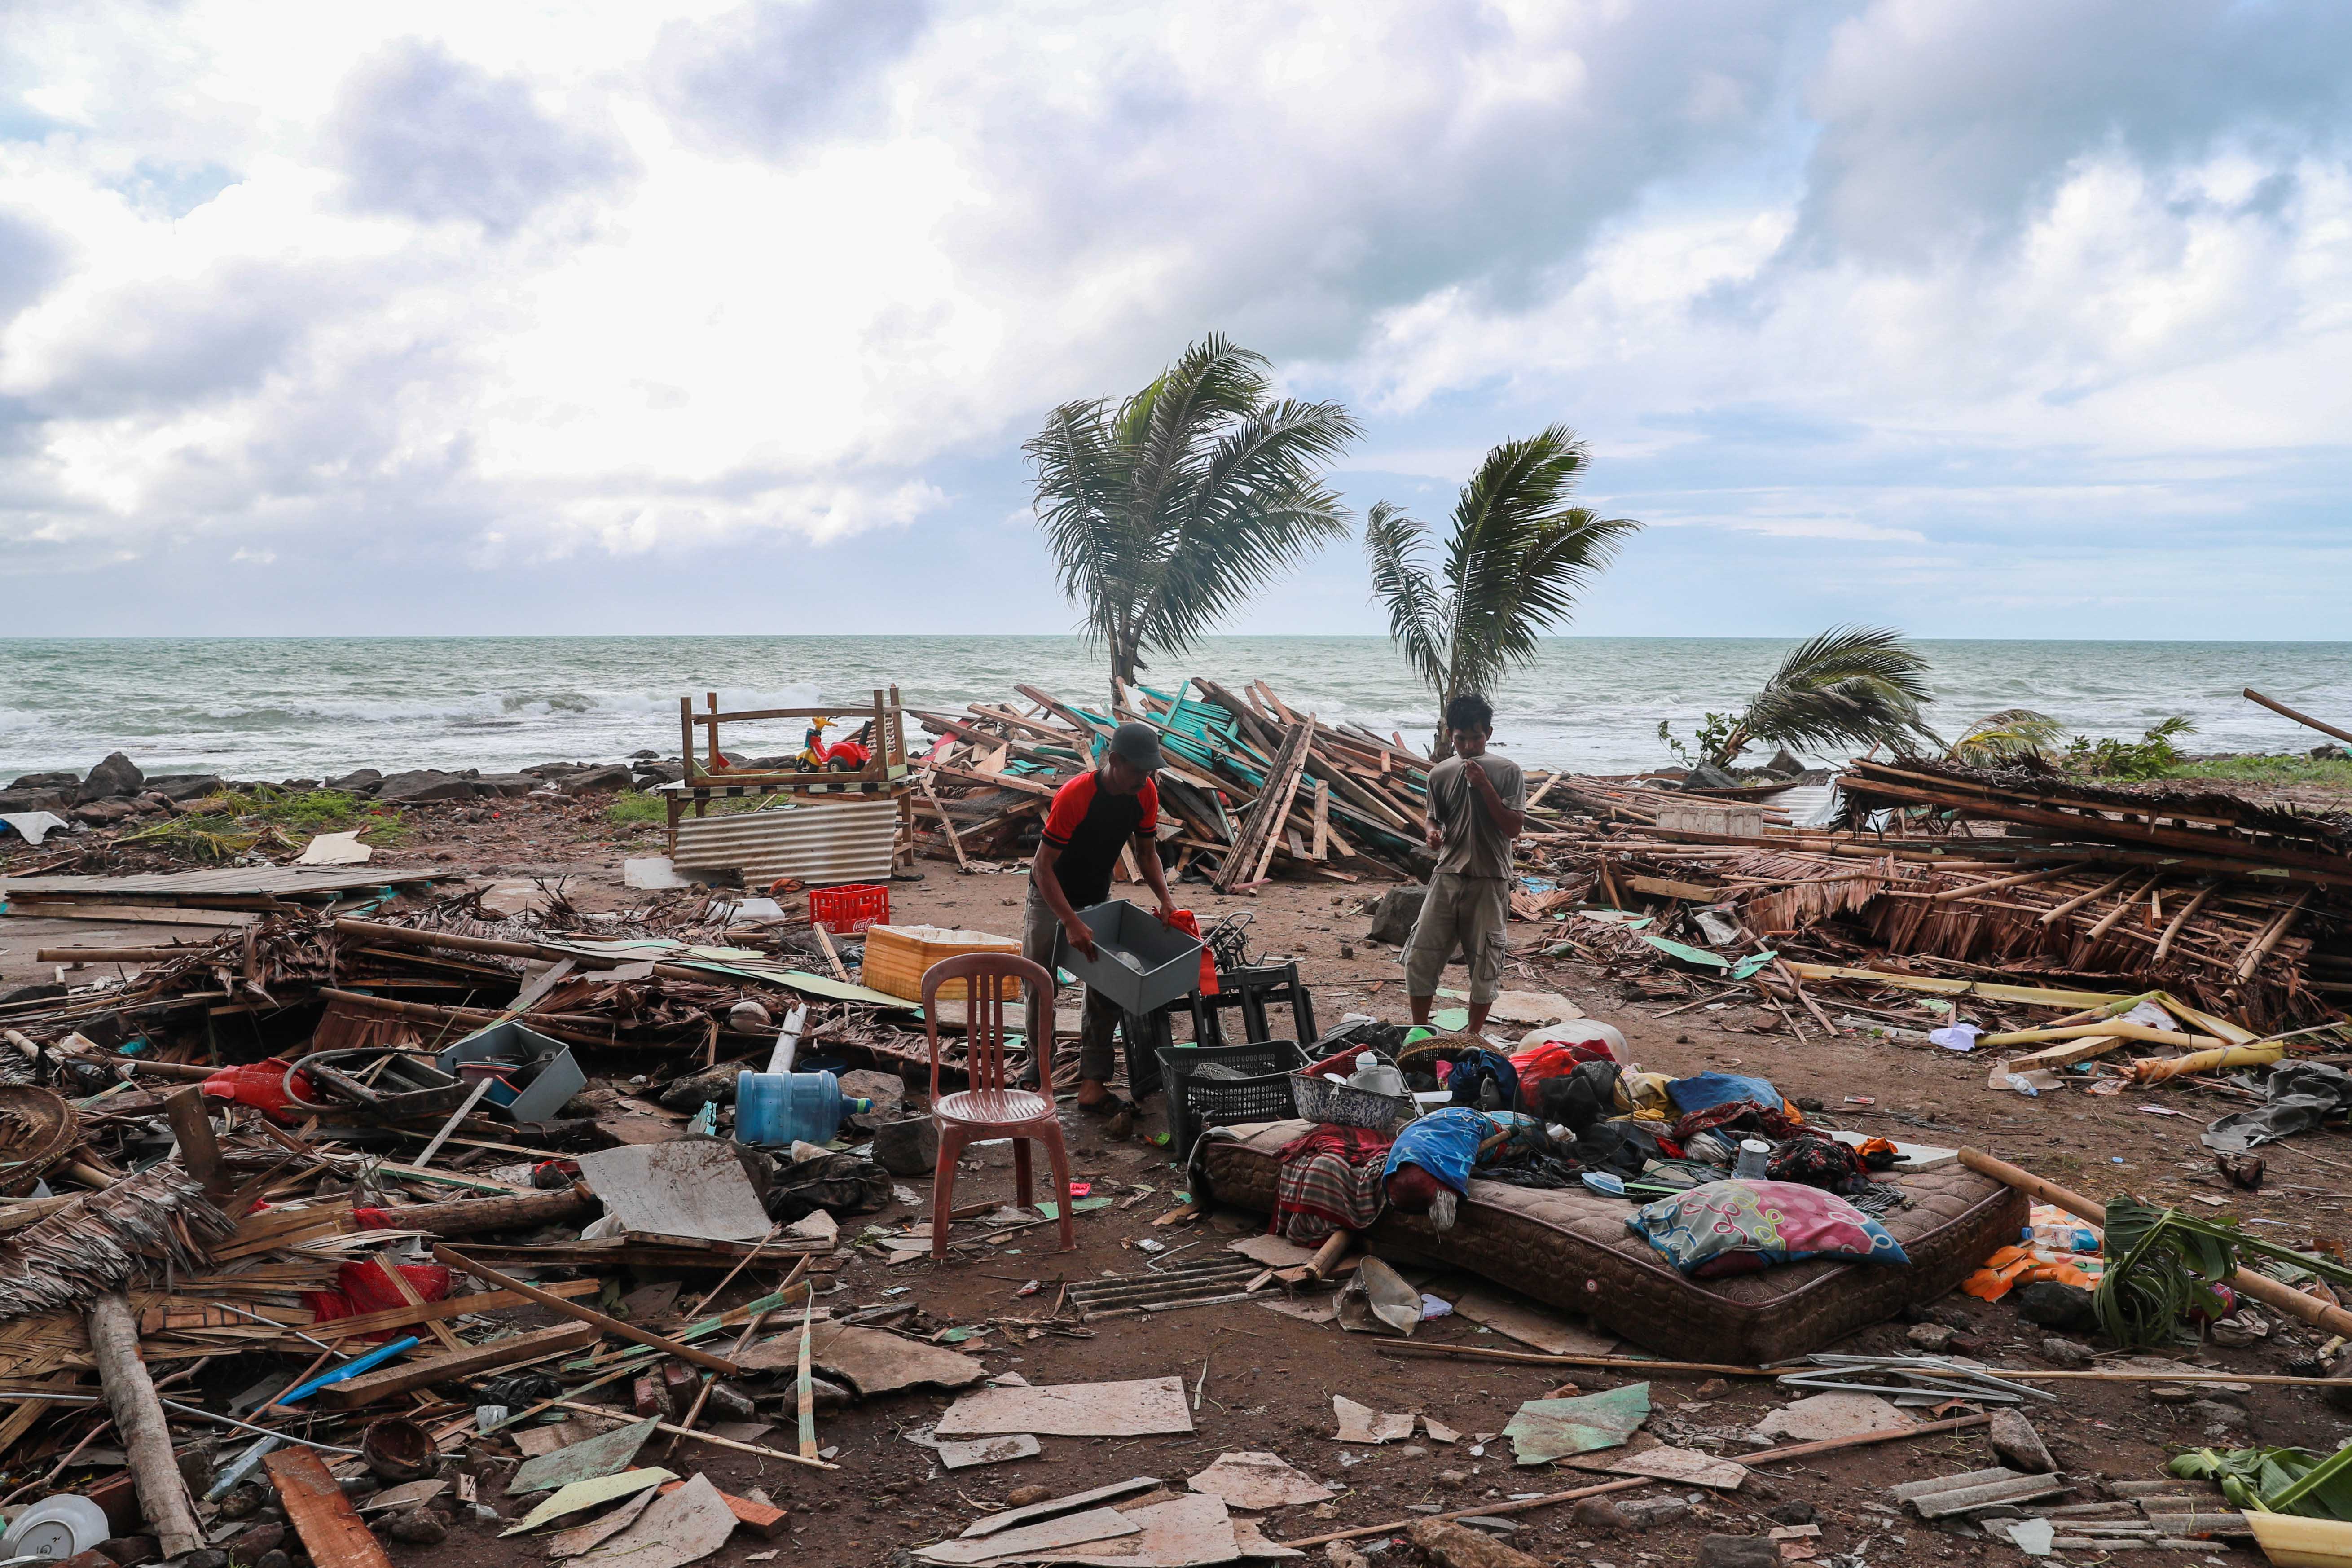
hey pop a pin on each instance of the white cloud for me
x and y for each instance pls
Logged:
(527, 282)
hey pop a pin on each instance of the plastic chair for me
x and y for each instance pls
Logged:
(990, 1108)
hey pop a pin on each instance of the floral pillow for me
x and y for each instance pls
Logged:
(1740, 1227)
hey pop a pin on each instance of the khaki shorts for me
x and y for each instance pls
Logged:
(1463, 914)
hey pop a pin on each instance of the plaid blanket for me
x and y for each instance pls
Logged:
(1330, 1180)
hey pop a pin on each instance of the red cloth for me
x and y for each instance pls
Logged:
(361, 1288)
(1338, 1065)
(261, 1085)
(1353, 1144)
(1191, 927)
(1552, 1058)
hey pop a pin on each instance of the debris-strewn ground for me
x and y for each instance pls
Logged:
(1270, 1378)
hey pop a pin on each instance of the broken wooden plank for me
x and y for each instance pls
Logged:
(330, 1528)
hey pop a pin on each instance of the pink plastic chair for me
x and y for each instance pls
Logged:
(990, 1109)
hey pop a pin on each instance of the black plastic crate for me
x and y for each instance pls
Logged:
(1196, 1103)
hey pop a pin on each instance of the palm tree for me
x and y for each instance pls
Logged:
(2006, 737)
(1166, 512)
(1517, 559)
(1850, 684)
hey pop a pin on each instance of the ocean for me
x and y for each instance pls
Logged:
(305, 707)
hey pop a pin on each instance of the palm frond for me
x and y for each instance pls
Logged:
(2005, 736)
(1850, 684)
(1394, 544)
(1256, 508)
(1520, 554)
(1166, 513)
(1080, 498)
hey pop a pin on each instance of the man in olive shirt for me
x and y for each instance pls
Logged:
(1475, 802)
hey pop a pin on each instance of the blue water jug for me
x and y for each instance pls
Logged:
(774, 1110)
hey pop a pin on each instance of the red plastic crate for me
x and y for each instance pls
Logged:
(847, 911)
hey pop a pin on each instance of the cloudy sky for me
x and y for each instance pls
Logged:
(1982, 320)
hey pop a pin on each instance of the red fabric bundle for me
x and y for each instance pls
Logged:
(361, 1288)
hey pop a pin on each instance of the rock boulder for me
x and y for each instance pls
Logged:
(598, 781)
(419, 786)
(184, 787)
(1393, 920)
(115, 777)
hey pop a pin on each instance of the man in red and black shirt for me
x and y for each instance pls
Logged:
(1094, 816)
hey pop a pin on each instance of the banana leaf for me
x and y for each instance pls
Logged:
(2164, 1268)
(2275, 1480)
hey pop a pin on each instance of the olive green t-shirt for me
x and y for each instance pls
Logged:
(1472, 845)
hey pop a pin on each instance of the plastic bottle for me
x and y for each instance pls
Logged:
(1376, 1075)
(774, 1108)
(2062, 1237)
(1753, 1152)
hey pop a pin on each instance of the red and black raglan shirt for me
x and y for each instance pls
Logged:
(1090, 824)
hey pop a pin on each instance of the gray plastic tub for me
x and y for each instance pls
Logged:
(1167, 962)
(543, 1068)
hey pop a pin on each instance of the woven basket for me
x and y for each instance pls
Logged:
(1344, 1105)
(898, 956)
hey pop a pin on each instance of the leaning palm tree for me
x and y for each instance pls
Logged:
(1518, 557)
(1166, 512)
(1849, 685)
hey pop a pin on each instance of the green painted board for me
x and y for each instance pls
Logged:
(584, 1460)
(577, 1495)
(1685, 951)
(1548, 1429)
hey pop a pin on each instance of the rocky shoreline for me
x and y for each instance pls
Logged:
(117, 790)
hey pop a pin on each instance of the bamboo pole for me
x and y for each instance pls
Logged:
(2172, 931)
(2047, 873)
(2053, 916)
(452, 1258)
(2261, 948)
(716, 1442)
(2106, 922)
(2305, 718)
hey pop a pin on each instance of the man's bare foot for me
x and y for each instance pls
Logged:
(1092, 1093)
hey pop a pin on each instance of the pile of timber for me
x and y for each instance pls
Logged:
(1253, 786)
(2235, 904)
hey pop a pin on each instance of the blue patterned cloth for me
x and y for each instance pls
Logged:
(1444, 1144)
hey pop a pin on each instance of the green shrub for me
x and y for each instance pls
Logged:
(2152, 756)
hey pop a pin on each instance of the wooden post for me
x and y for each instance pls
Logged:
(685, 742)
(712, 698)
(139, 1415)
(192, 1125)
(947, 826)
(1322, 850)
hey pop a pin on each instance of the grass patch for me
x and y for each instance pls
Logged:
(632, 807)
(2334, 773)
(302, 812)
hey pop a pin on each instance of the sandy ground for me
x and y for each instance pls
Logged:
(1270, 1379)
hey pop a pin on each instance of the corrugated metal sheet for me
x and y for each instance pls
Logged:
(846, 841)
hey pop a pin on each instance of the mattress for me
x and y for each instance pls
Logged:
(1571, 1251)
